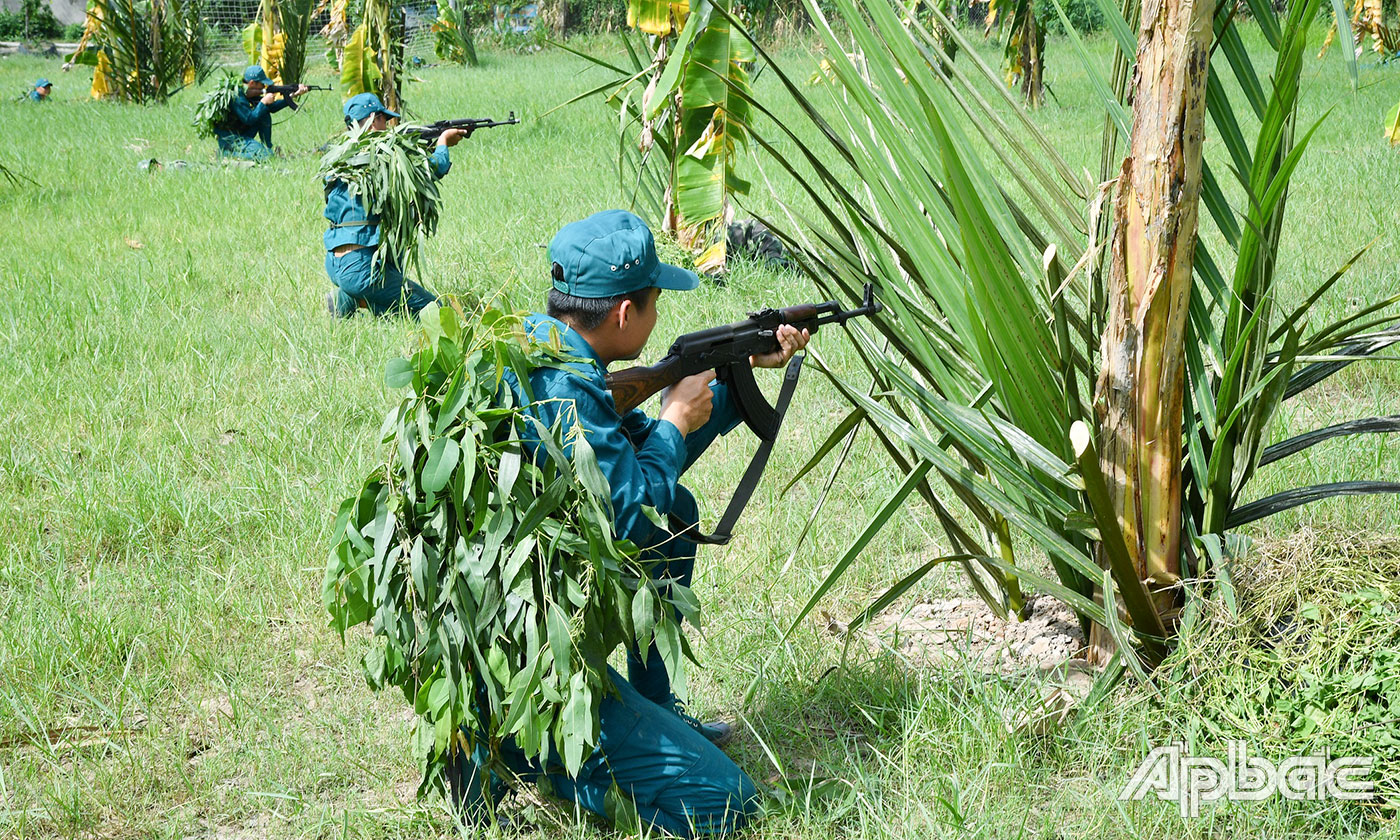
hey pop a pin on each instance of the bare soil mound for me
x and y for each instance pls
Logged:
(956, 629)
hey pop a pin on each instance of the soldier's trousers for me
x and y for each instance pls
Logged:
(679, 782)
(382, 289)
(243, 148)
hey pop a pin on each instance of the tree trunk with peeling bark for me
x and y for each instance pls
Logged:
(1141, 384)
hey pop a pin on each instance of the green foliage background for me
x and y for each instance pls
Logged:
(39, 23)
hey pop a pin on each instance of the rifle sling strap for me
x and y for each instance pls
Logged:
(724, 531)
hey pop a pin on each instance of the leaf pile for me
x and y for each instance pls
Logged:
(212, 112)
(493, 586)
(391, 173)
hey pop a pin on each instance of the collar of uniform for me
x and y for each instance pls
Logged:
(539, 327)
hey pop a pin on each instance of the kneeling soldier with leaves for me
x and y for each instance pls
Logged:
(374, 232)
(602, 309)
(246, 131)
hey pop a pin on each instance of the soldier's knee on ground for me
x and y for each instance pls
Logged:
(730, 802)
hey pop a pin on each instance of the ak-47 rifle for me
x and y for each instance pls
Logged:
(727, 349)
(429, 133)
(288, 90)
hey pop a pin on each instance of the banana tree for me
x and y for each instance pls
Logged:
(452, 32)
(683, 109)
(276, 39)
(948, 11)
(336, 32)
(372, 60)
(1053, 350)
(1024, 50)
(1367, 18)
(143, 50)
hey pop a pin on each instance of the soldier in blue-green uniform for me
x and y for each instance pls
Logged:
(247, 133)
(41, 91)
(353, 236)
(603, 307)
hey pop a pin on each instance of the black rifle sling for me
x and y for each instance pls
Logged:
(724, 531)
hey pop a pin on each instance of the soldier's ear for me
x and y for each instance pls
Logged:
(623, 313)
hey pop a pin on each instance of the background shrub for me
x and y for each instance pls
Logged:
(1084, 15)
(33, 22)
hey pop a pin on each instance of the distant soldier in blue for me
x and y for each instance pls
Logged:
(41, 91)
(603, 307)
(353, 236)
(247, 133)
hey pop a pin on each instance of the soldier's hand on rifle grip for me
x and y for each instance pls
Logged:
(790, 341)
(688, 403)
(268, 98)
(452, 136)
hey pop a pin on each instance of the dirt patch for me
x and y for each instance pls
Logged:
(255, 828)
(950, 630)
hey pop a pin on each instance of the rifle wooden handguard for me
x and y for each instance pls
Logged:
(632, 386)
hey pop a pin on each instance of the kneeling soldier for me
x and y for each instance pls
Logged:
(353, 236)
(247, 133)
(603, 308)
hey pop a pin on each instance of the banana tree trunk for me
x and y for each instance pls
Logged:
(1140, 387)
(1032, 42)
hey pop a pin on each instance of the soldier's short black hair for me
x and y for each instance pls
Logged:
(587, 313)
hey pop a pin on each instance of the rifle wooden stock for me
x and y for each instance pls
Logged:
(632, 386)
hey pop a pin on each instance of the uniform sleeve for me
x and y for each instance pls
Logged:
(441, 161)
(724, 417)
(637, 424)
(247, 113)
(284, 102)
(648, 474)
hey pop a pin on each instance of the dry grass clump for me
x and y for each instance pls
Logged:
(1300, 656)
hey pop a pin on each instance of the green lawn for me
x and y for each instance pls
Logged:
(182, 418)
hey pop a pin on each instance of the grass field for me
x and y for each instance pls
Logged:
(181, 418)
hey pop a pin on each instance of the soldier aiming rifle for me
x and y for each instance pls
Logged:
(247, 133)
(602, 308)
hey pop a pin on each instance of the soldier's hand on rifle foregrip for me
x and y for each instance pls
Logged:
(790, 341)
(452, 136)
(688, 403)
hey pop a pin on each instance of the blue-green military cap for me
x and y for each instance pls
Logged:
(255, 73)
(362, 105)
(609, 254)
(43, 83)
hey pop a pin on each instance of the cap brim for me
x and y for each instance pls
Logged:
(390, 114)
(675, 278)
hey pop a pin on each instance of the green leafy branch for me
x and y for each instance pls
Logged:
(491, 581)
(212, 111)
(392, 174)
